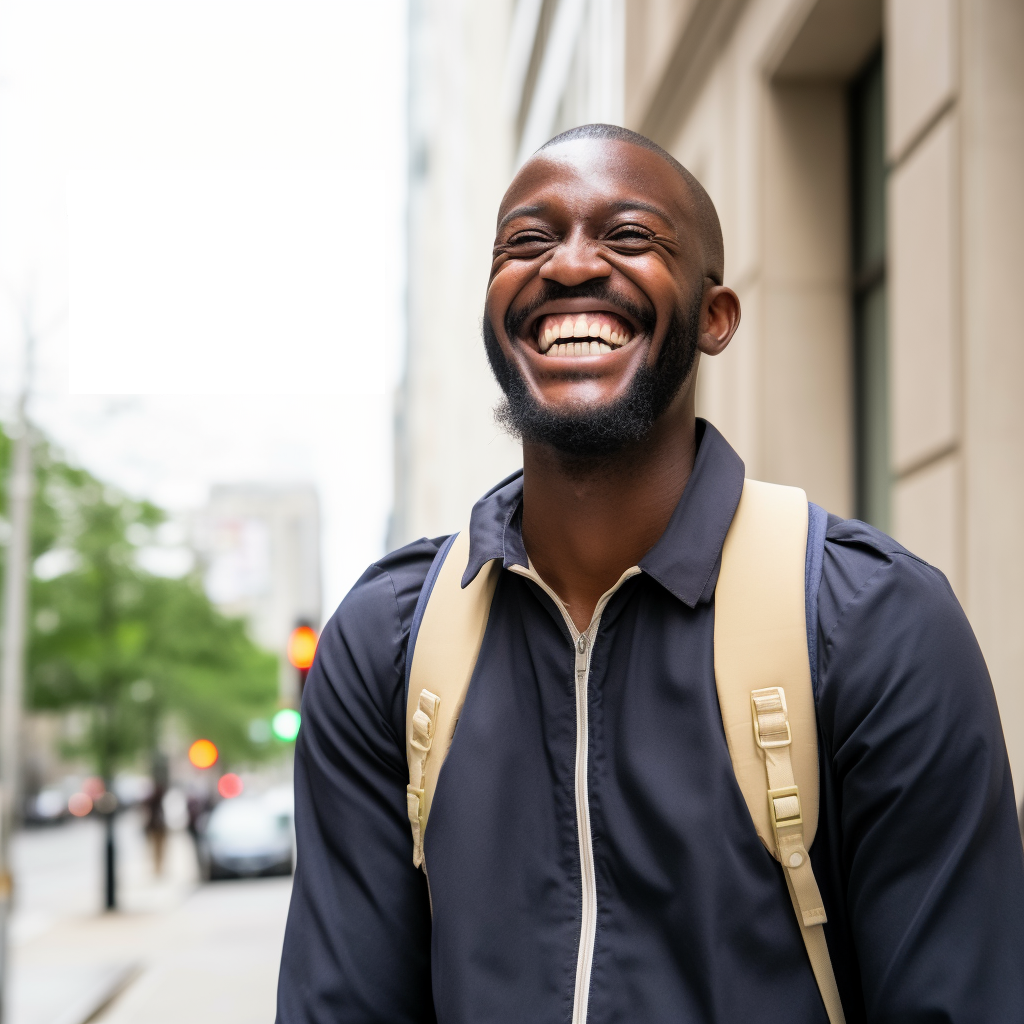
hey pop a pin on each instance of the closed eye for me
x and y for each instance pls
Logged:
(631, 233)
(527, 238)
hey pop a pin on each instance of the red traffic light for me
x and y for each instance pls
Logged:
(229, 785)
(302, 647)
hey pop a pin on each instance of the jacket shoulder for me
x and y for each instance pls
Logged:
(860, 559)
(362, 649)
(390, 586)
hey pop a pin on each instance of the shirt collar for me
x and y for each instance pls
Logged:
(686, 559)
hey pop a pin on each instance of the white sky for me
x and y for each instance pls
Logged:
(205, 199)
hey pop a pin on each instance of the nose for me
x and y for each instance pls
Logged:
(575, 260)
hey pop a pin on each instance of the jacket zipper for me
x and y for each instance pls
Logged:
(588, 916)
(583, 644)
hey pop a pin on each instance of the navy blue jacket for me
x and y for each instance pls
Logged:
(917, 853)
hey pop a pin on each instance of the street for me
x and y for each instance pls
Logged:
(176, 950)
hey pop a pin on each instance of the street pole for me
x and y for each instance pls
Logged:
(12, 658)
(110, 901)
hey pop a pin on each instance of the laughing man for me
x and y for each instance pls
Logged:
(635, 889)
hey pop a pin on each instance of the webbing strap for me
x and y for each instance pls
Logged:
(821, 965)
(761, 646)
(423, 723)
(772, 734)
(450, 633)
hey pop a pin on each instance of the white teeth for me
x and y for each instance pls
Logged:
(582, 327)
(579, 348)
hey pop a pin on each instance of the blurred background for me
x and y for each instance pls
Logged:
(243, 253)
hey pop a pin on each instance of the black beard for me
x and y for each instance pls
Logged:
(587, 436)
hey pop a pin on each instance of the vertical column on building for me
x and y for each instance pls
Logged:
(992, 167)
(925, 352)
(605, 45)
(805, 409)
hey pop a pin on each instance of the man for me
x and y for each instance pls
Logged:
(590, 856)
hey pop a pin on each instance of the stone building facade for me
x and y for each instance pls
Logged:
(866, 159)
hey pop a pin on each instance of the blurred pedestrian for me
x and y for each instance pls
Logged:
(156, 818)
(198, 804)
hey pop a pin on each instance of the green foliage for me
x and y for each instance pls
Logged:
(123, 645)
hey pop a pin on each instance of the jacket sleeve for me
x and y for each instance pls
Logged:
(931, 856)
(357, 941)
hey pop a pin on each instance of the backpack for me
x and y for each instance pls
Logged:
(765, 653)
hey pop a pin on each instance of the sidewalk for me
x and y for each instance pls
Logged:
(174, 952)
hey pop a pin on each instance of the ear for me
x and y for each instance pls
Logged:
(720, 316)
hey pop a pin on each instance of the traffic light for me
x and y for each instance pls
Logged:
(203, 754)
(302, 649)
(229, 786)
(285, 724)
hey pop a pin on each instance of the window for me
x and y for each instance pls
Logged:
(870, 350)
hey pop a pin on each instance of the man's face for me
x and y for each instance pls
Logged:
(595, 297)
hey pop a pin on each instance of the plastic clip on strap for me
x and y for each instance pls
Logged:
(773, 735)
(423, 722)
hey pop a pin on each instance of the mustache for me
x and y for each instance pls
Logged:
(598, 288)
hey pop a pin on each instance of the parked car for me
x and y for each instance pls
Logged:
(47, 807)
(246, 837)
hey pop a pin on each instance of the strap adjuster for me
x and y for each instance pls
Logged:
(770, 703)
(784, 807)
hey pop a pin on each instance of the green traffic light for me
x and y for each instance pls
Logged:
(286, 724)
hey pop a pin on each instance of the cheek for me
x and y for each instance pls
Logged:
(664, 288)
(513, 284)
(658, 284)
(502, 289)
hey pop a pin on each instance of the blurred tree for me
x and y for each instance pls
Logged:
(123, 645)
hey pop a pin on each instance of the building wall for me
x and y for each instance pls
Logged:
(449, 450)
(990, 370)
(751, 95)
(260, 551)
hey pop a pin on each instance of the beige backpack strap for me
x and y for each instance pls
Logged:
(447, 645)
(764, 691)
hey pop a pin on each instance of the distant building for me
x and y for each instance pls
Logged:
(260, 551)
(460, 145)
(866, 159)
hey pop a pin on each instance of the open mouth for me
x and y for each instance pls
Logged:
(582, 334)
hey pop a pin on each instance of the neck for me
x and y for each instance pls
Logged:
(585, 525)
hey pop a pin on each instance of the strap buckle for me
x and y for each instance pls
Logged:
(770, 703)
(784, 808)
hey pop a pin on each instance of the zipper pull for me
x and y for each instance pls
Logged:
(581, 656)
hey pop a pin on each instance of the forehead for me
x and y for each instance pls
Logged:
(584, 177)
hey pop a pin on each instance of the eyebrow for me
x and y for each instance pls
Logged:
(521, 211)
(624, 205)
